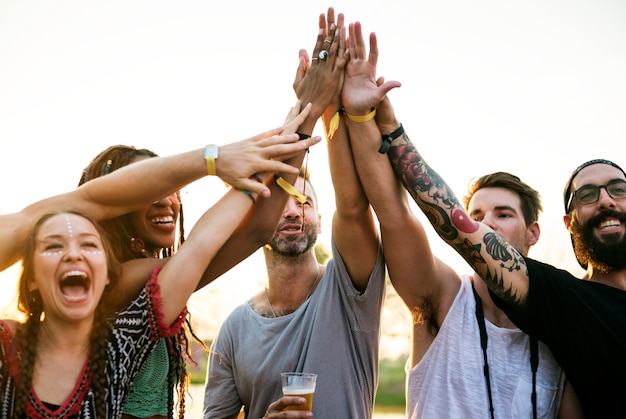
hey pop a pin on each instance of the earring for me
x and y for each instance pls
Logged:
(137, 245)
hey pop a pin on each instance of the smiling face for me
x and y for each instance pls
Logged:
(598, 229)
(69, 267)
(156, 224)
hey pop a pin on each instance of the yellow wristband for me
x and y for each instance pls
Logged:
(210, 154)
(361, 118)
(333, 125)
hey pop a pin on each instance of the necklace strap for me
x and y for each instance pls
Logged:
(534, 364)
(480, 318)
(534, 356)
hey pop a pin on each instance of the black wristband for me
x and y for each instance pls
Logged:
(302, 136)
(387, 139)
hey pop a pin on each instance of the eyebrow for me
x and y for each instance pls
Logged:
(497, 208)
(505, 208)
(617, 179)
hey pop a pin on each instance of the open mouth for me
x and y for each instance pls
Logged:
(609, 223)
(74, 284)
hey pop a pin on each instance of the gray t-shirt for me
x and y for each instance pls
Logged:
(334, 334)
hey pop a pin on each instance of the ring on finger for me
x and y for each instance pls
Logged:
(323, 55)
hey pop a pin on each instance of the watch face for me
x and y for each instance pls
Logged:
(210, 151)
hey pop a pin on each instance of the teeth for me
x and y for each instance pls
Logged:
(609, 223)
(163, 220)
(73, 274)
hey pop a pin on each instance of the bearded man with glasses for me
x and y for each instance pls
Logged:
(598, 238)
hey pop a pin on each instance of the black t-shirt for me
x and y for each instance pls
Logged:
(584, 325)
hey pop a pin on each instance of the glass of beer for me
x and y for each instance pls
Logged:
(301, 384)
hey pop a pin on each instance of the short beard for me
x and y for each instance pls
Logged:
(295, 247)
(605, 256)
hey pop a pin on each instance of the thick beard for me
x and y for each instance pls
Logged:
(295, 246)
(604, 256)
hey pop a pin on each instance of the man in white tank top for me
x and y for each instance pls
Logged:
(446, 370)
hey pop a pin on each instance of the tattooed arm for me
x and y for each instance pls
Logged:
(495, 260)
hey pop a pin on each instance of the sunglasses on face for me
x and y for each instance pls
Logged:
(590, 194)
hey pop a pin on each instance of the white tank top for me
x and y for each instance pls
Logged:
(448, 382)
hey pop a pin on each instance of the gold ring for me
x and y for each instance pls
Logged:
(326, 40)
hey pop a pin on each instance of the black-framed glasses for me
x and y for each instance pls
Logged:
(589, 194)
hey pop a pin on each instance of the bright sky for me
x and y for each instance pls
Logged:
(531, 87)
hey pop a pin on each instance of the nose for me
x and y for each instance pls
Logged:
(293, 209)
(73, 252)
(604, 199)
(167, 201)
(489, 220)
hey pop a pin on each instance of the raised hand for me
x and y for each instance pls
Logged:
(264, 152)
(360, 91)
(318, 80)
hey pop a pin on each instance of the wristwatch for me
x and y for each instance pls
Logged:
(210, 154)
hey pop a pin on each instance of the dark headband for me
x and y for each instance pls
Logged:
(568, 186)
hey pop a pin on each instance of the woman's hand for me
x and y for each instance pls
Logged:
(238, 162)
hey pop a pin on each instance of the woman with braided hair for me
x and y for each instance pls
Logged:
(149, 232)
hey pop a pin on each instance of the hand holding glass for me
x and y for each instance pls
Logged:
(299, 384)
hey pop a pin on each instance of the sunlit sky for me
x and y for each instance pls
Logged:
(531, 87)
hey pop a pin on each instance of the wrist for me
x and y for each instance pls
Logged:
(361, 116)
(387, 139)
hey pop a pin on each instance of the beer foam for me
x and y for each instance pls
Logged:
(297, 391)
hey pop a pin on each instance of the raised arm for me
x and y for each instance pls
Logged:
(125, 190)
(182, 272)
(417, 275)
(495, 260)
(314, 85)
(140, 184)
(179, 277)
(353, 227)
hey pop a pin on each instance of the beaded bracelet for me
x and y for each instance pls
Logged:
(249, 195)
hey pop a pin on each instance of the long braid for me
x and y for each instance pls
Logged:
(27, 337)
(98, 358)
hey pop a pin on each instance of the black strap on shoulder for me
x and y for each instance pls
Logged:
(534, 364)
(480, 318)
(534, 356)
